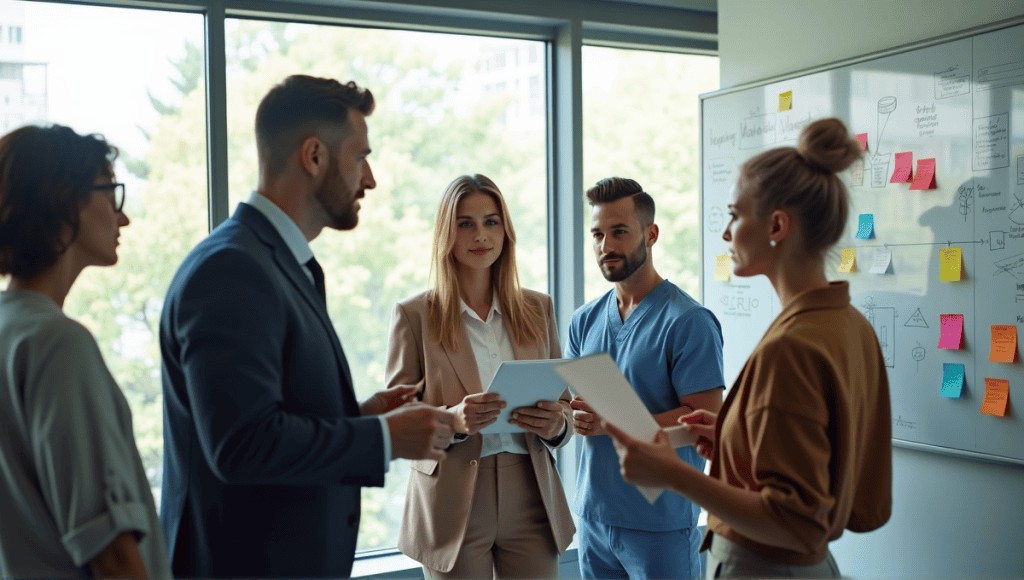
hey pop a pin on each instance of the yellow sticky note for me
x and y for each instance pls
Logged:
(785, 101)
(950, 262)
(723, 267)
(849, 263)
(997, 394)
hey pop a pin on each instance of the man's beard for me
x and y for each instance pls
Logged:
(340, 210)
(629, 264)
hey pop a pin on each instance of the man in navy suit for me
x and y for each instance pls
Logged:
(265, 445)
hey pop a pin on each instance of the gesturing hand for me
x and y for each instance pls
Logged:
(584, 419)
(387, 400)
(644, 463)
(702, 424)
(544, 419)
(477, 411)
(419, 431)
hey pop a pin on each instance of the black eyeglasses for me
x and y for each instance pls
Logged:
(116, 194)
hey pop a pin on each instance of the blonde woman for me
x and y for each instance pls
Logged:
(495, 507)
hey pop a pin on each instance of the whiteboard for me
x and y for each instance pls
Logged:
(959, 101)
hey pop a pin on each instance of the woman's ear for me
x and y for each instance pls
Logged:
(781, 224)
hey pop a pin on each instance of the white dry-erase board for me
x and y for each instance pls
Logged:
(960, 101)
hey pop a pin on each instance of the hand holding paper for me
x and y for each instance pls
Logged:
(701, 424)
(645, 464)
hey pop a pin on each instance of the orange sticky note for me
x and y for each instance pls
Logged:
(904, 168)
(863, 138)
(950, 265)
(785, 101)
(723, 267)
(1004, 344)
(849, 263)
(951, 331)
(925, 176)
(997, 394)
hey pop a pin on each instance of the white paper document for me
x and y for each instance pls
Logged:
(523, 383)
(883, 256)
(601, 384)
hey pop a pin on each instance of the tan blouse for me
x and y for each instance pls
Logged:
(807, 424)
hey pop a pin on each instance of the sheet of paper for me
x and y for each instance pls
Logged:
(883, 257)
(1004, 344)
(866, 226)
(522, 383)
(952, 380)
(904, 168)
(925, 176)
(785, 101)
(950, 262)
(723, 267)
(862, 138)
(857, 173)
(997, 394)
(606, 390)
(849, 263)
(951, 331)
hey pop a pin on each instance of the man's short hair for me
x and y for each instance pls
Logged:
(612, 189)
(303, 106)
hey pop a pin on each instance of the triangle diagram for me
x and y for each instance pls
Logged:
(917, 320)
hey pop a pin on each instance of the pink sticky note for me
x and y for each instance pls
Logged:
(904, 167)
(863, 138)
(925, 176)
(951, 331)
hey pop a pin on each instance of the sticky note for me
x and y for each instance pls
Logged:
(1004, 344)
(849, 263)
(925, 176)
(997, 394)
(866, 229)
(952, 380)
(904, 168)
(863, 139)
(857, 173)
(951, 331)
(950, 265)
(723, 267)
(785, 101)
(883, 256)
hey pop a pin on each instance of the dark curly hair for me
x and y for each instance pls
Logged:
(46, 177)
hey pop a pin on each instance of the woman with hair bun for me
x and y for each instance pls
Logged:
(801, 447)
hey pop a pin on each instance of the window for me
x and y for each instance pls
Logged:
(434, 121)
(145, 102)
(640, 120)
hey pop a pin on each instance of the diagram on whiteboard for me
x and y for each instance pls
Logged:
(917, 320)
(918, 354)
(883, 320)
(1017, 209)
(880, 157)
(965, 201)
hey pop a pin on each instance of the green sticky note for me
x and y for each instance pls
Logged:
(952, 380)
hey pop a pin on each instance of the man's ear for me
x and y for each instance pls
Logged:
(313, 158)
(652, 234)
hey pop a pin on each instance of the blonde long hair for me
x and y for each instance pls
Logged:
(524, 320)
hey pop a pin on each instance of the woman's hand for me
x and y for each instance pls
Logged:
(702, 424)
(584, 419)
(476, 412)
(647, 464)
(545, 419)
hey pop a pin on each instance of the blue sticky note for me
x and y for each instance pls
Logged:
(866, 229)
(952, 380)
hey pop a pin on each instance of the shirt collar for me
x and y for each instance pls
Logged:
(290, 233)
(832, 297)
(465, 309)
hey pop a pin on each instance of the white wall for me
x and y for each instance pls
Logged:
(952, 518)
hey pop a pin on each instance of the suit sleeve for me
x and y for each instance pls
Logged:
(405, 354)
(555, 352)
(233, 366)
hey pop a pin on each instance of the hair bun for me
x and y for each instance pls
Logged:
(826, 146)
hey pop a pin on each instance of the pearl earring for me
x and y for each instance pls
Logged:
(771, 243)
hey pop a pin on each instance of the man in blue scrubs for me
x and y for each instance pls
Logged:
(670, 349)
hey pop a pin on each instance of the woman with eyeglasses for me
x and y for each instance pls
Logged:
(74, 498)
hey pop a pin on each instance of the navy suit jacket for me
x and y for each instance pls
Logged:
(264, 448)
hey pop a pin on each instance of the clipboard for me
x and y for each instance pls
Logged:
(523, 383)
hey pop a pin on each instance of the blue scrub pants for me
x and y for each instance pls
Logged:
(607, 552)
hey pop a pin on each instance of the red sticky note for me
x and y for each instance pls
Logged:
(997, 394)
(925, 176)
(951, 331)
(863, 138)
(904, 168)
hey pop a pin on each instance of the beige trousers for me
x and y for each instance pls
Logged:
(508, 534)
(727, 559)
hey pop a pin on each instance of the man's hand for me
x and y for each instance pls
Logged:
(584, 419)
(642, 463)
(702, 424)
(387, 400)
(544, 419)
(477, 411)
(419, 431)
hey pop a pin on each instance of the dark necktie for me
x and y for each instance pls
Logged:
(318, 278)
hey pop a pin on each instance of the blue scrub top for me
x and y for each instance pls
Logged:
(669, 347)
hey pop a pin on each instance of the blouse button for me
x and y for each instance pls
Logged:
(472, 463)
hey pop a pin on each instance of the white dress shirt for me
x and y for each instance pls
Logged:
(491, 345)
(296, 242)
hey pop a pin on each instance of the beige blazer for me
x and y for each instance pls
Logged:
(440, 495)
